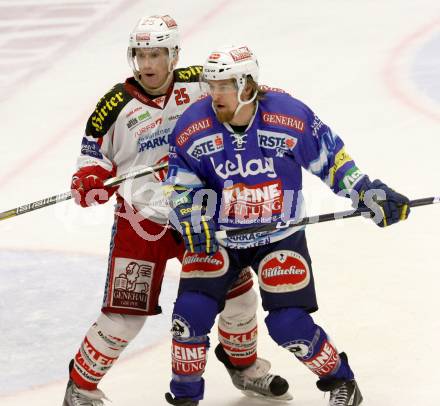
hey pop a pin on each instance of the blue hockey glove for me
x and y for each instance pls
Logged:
(197, 229)
(388, 206)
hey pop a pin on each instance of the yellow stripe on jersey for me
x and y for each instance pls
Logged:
(341, 158)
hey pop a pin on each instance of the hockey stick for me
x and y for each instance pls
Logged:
(48, 201)
(315, 219)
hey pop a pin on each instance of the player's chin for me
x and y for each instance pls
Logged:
(150, 81)
(223, 114)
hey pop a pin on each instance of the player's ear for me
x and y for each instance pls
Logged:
(248, 90)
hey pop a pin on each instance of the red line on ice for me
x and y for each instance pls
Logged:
(391, 69)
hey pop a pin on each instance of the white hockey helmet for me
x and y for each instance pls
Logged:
(232, 62)
(154, 32)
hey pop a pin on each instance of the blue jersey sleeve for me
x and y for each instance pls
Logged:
(322, 152)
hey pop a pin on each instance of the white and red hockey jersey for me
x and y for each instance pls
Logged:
(128, 130)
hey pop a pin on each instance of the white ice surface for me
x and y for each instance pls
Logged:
(370, 69)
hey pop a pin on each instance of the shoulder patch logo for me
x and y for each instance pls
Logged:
(104, 107)
(190, 74)
(90, 148)
(193, 129)
(280, 142)
(283, 120)
(206, 146)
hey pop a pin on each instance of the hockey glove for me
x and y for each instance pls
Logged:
(389, 207)
(88, 186)
(197, 229)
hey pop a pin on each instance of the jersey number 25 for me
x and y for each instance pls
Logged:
(181, 96)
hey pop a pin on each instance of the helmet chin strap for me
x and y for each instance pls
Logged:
(242, 103)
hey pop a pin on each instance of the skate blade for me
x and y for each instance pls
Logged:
(286, 397)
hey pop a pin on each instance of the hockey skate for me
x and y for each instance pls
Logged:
(180, 402)
(342, 393)
(255, 381)
(78, 397)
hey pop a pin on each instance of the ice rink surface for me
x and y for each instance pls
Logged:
(370, 69)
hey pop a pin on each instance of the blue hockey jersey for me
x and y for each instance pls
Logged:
(255, 177)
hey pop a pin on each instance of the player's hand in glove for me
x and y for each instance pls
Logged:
(88, 186)
(389, 207)
(197, 229)
(200, 242)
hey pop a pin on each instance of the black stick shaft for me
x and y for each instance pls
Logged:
(261, 228)
(49, 201)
